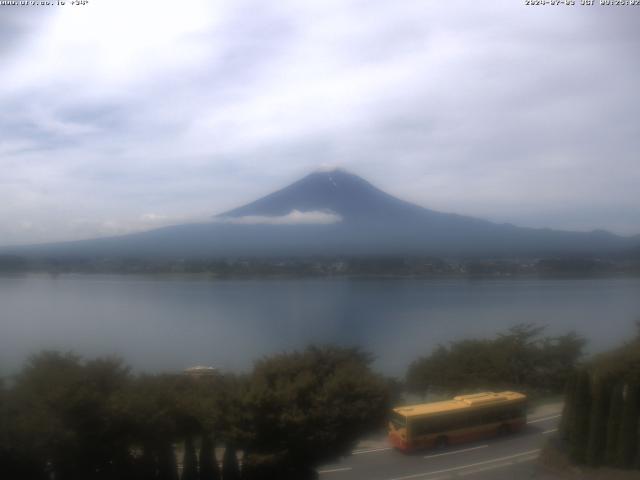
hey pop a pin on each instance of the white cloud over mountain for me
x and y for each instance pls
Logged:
(295, 217)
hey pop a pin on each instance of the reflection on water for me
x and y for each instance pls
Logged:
(173, 322)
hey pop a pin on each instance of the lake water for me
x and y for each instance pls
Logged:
(172, 322)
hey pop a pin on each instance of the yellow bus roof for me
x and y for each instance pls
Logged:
(461, 402)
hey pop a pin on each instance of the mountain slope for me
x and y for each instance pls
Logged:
(338, 213)
(348, 195)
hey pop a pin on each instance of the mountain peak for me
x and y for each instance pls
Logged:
(328, 189)
(335, 177)
(330, 168)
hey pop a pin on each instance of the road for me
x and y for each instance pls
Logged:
(508, 457)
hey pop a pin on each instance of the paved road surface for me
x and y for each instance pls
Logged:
(508, 457)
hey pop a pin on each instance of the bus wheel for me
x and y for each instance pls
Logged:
(441, 442)
(503, 430)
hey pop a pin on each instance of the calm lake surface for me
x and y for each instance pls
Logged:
(172, 322)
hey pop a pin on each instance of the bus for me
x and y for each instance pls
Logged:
(462, 419)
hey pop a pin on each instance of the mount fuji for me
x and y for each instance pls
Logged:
(335, 212)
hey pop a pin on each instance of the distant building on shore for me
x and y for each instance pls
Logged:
(200, 371)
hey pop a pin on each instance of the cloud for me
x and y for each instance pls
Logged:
(500, 111)
(294, 217)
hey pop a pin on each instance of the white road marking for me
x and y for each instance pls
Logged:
(485, 469)
(334, 470)
(544, 419)
(360, 452)
(496, 466)
(456, 451)
(374, 450)
(526, 459)
(464, 467)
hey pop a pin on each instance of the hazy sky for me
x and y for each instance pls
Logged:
(124, 115)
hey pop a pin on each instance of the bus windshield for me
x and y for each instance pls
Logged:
(398, 420)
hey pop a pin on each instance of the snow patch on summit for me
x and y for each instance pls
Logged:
(328, 168)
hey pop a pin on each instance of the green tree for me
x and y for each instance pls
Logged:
(519, 358)
(265, 466)
(149, 407)
(628, 436)
(17, 459)
(230, 467)
(163, 410)
(613, 424)
(580, 429)
(67, 424)
(622, 365)
(568, 410)
(310, 407)
(427, 374)
(521, 347)
(190, 461)
(147, 464)
(209, 469)
(598, 422)
(556, 361)
(167, 468)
